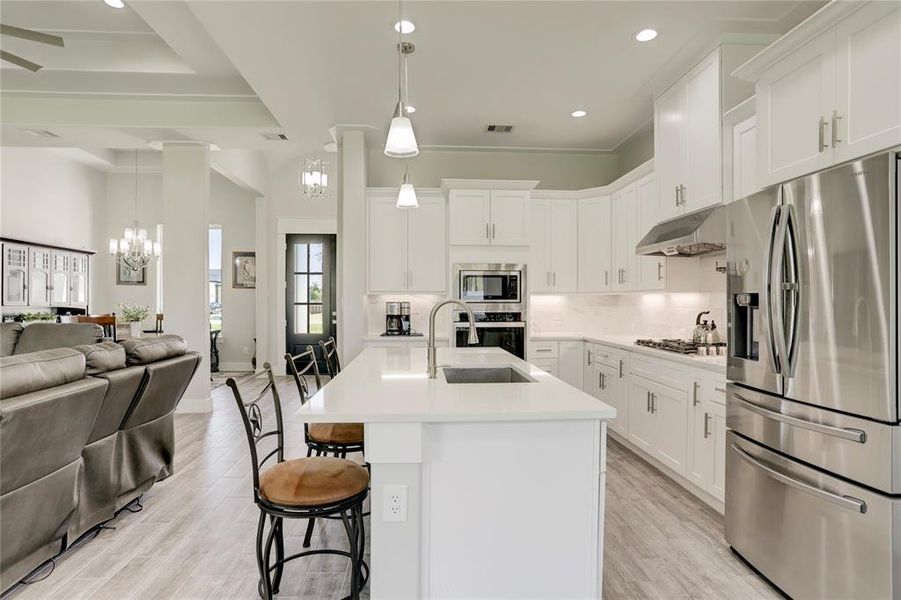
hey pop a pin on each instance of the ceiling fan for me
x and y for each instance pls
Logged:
(32, 36)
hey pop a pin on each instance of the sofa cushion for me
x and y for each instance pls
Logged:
(44, 336)
(25, 373)
(9, 335)
(103, 357)
(145, 350)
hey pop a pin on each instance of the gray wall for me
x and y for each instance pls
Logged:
(554, 170)
(636, 150)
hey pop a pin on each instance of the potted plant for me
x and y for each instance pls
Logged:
(30, 317)
(133, 314)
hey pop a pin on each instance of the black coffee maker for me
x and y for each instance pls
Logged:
(397, 318)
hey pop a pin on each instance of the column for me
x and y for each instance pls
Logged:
(263, 296)
(186, 217)
(352, 244)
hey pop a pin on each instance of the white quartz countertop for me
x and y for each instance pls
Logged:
(377, 337)
(391, 385)
(627, 342)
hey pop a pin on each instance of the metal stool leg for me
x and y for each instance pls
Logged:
(263, 560)
(352, 541)
(278, 524)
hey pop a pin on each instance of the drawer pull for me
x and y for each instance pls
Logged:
(542, 349)
(845, 433)
(848, 502)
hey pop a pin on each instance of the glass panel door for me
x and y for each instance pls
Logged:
(59, 292)
(14, 275)
(310, 292)
(39, 277)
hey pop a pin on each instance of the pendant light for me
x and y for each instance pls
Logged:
(406, 198)
(401, 142)
(134, 249)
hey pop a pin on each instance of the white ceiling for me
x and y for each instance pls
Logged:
(315, 65)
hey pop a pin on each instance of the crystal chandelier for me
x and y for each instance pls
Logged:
(314, 178)
(134, 249)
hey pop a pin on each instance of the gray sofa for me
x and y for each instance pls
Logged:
(84, 430)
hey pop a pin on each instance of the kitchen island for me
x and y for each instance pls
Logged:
(499, 487)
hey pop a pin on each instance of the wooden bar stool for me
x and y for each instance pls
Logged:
(301, 488)
(322, 438)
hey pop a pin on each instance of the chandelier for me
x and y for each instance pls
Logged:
(314, 178)
(134, 249)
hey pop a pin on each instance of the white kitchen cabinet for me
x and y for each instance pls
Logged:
(39, 276)
(78, 288)
(553, 245)
(606, 378)
(828, 92)
(624, 239)
(670, 143)
(407, 247)
(744, 159)
(868, 81)
(489, 217)
(570, 363)
(60, 278)
(706, 466)
(651, 269)
(546, 364)
(642, 430)
(15, 275)
(594, 233)
(657, 421)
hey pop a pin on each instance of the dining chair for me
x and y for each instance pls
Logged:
(107, 322)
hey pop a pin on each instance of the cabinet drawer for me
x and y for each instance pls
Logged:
(660, 372)
(544, 349)
(545, 364)
(610, 357)
(716, 391)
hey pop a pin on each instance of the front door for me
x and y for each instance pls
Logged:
(310, 292)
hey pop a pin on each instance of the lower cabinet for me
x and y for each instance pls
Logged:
(707, 436)
(657, 421)
(561, 359)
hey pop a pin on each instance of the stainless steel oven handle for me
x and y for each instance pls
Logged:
(492, 324)
(845, 433)
(848, 502)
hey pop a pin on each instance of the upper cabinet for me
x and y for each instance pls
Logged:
(553, 246)
(624, 238)
(828, 91)
(495, 214)
(594, 224)
(407, 247)
(15, 275)
(651, 269)
(41, 277)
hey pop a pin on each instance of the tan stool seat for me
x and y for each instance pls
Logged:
(336, 433)
(316, 481)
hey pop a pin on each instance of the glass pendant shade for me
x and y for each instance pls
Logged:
(314, 178)
(407, 197)
(401, 141)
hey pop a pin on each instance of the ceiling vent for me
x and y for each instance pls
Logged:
(499, 128)
(275, 137)
(40, 133)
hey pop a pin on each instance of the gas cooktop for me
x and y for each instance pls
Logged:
(670, 345)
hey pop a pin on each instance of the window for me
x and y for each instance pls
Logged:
(215, 284)
(307, 288)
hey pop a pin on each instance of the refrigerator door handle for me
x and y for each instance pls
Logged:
(791, 291)
(853, 435)
(848, 502)
(769, 281)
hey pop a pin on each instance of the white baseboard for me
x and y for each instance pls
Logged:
(195, 405)
(235, 366)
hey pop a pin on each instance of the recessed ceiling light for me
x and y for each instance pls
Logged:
(404, 26)
(578, 113)
(646, 35)
(115, 3)
(410, 109)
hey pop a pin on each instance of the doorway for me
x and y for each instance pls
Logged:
(311, 313)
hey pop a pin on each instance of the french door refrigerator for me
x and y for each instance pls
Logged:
(813, 468)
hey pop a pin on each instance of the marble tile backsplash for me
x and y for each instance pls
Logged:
(420, 306)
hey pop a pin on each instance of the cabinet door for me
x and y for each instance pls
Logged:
(651, 269)
(509, 218)
(670, 413)
(470, 217)
(868, 81)
(794, 101)
(387, 246)
(717, 433)
(594, 245)
(78, 281)
(625, 262)
(427, 246)
(15, 275)
(590, 373)
(570, 363)
(539, 246)
(744, 159)
(564, 245)
(703, 155)
(38, 276)
(615, 392)
(699, 469)
(60, 278)
(641, 421)
(670, 130)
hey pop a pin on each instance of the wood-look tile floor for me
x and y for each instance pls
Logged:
(195, 536)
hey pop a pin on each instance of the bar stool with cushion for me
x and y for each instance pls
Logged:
(329, 350)
(302, 488)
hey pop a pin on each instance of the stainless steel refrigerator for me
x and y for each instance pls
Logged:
(813, 468)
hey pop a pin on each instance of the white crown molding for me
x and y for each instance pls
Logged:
(488, 184)
(645, 168)
(806, 30)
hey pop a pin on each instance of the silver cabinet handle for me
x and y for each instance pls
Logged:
(487, 231)
(706, 425)
(620, 368)
(821, 145)
(694, 397)
(554, 282)
(589, 358)
(648, 408)
(653, 403)
(600, 381)
(835, 120)
(845, 433)
(606, 277)
(659, 271)
(493, 231)
(848, 502)
(719, 389)
(677, 195)
(542, 349)
(548, 278)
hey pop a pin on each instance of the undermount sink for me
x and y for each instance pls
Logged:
(485, 375)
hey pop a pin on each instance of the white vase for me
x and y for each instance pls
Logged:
(135, 329)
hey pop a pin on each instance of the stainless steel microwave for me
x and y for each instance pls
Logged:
(490, 284)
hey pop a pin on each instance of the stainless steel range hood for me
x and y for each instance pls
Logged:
(700, 232)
